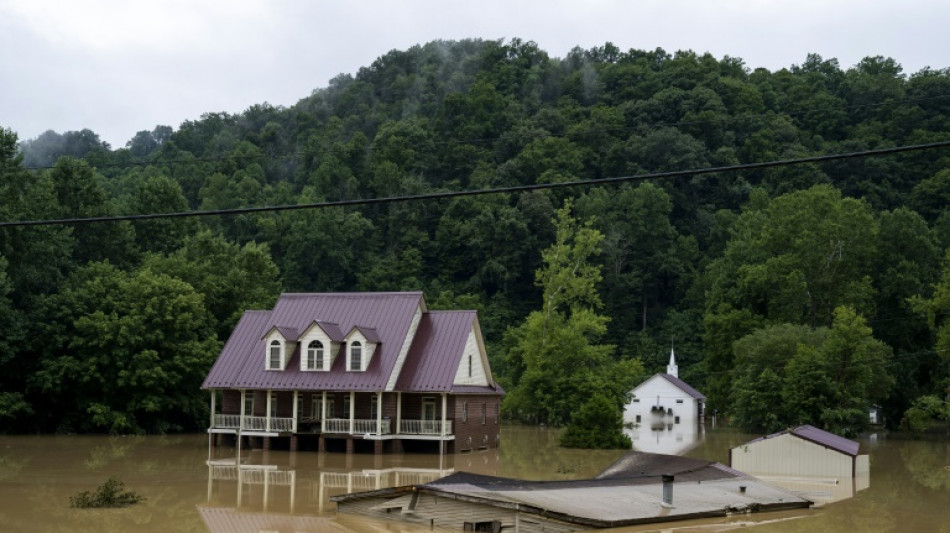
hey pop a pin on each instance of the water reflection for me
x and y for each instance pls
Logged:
(38, 474)
(272, 482)
(671, 439)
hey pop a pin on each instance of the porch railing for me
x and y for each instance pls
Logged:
(227, 421)
(424, 427)
(360, 426)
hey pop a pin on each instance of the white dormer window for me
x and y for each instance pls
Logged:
(274, 355)
(359, 346)
(315, 356)
(356, 356)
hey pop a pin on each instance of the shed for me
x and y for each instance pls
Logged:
(804, 451)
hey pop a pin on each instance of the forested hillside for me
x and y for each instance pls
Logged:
(801, 293)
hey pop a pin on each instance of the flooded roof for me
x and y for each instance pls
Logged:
(818, 436)
(231, 520)
(384, 318)
(643, 464)
(629, 493)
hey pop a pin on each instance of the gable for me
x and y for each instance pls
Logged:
(473, 366)
(666, 386)
(436, 355)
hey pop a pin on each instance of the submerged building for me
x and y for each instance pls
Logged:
(640, 488)
(351, 370)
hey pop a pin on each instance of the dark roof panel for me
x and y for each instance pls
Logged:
(685, 387)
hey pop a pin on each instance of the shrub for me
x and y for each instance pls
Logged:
(109, 494)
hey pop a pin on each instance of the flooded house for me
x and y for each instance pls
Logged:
(640, 488)
(806, 460)
(665, 413)
(356, 371)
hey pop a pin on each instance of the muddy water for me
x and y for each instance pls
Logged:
(189, 488)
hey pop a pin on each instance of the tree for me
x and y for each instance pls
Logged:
(125, 353)
(598, 425)
(231, 278)
(554, 356)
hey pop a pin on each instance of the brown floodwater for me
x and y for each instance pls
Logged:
(188, 487)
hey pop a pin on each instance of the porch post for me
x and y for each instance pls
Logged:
(442, 439)
(243, 400)
(212, 408)
(267, 425)
(293, 423)
(352, 411)
(323, 414)
(398, 412)
(379, 413)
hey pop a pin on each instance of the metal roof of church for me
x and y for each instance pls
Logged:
(679, 383)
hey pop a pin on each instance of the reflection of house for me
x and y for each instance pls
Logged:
(672, 439)
(811, 462)
(350, 367)
(630, 492)
(664, 401)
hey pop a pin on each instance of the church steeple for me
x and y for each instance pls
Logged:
(671, 368)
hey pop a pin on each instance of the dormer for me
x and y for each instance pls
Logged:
(319, 344)
(360, 345)
(279, 345)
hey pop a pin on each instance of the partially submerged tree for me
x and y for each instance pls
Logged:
(557, 364)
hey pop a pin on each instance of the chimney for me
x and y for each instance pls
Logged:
(667, 491)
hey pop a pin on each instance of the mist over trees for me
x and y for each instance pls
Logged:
(819, 287)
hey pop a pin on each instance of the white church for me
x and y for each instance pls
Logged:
(665, 413)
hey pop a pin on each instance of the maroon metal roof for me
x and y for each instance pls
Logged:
(332, 330)
(370, 333)
(818, 436)
(241, 362)
(436, 352)
(685, 387)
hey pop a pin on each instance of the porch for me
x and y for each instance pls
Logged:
(245, 414)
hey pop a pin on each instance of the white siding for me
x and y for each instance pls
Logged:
(657, 391)
(330, 348)
(788, 455)
(474, 354)
(287, 348)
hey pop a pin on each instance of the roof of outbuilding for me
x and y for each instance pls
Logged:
(384, 318)
(818, 436)
(630, 495)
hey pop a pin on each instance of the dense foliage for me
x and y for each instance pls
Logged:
(775, 284)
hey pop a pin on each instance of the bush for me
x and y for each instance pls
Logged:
(598, 424)
(109, 494)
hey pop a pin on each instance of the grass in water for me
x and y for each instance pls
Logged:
(109, 494)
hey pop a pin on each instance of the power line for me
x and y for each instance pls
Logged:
(480, 192)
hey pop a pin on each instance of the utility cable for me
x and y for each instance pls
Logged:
(480, 192)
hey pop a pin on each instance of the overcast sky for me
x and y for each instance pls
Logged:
(122, 66)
